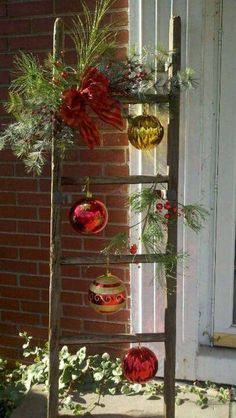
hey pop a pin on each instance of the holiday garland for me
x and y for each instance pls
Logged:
(54, 94)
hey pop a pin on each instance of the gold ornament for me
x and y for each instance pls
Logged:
(145, 131)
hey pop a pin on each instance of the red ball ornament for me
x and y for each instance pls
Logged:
(140, 364)
(88, 216)
(107, 294)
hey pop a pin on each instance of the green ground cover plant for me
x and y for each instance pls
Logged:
(81, 373)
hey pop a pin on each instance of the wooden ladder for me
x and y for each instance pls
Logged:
(169, 336)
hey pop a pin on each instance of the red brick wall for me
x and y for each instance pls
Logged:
(25, 200)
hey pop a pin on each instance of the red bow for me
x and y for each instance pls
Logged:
(94, 92)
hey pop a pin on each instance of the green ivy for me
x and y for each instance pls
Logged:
(79, 373)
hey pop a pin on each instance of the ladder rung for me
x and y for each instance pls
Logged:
(113, 259)
(111, 338)
(144, 98)
(114, 180)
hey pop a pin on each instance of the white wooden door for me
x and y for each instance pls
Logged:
(225, 298)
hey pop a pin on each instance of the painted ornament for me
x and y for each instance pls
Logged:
(140, 364)
(88, 216)
(145, 131)
(107, 294)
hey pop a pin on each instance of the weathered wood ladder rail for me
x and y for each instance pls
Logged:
(169, 336)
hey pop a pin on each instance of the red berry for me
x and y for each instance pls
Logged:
(133, 249)
(174, 209)
(159, 206)
(55, 81)
(64, 74)
(167, 205)
(167, 216)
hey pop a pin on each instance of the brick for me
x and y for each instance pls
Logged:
(74, 325)
(42, 25)
(6, 155)
(112, 230)
(40, 332)
(20, 318)
(7, 329)
(6, 169)
(73, 298)
(118, 216)
(71, 243)
(43, 268)
(3, 9)
(19, 240)
(44, 242)
(104, 327)
(122, 37)
(8, 253)
(117, 19)
(13, 184)
(95, 245)
(3, 46)
(103, 155)
(7, 198)
(9, 304)
(18, 266)
(6, 60)
(3, 93)
(79, 312)
(121, 54)
(38, 282)
(8, 353)
(34, 199)
(34, 254)
(4, 77)
(7, 226)
(75, 285)
(36, 307)
(9, 27)
(93, 271)
(75, 6)
(30, 8)
(116, 170)
(33, 227)
(12, 341)
(119, 139)
(17, 212)
(8, 279)
(20, 293)
(116, 201)
(30, 42)
(44, 214)
(72, 170)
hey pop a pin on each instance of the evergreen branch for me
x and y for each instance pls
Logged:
(118, 244)
(91, 40)
(194, 216)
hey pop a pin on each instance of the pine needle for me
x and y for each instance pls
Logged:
(92, 40)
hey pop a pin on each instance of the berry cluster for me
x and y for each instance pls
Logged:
(169, 211)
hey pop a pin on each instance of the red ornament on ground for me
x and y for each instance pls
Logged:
(140, 364)
(107, 294)
(88, 216)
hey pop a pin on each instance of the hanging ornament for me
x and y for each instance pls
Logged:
(107, 294)
(88, 215)
(140, 364)
(145, 131)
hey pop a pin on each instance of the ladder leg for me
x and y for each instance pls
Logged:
(55, 253)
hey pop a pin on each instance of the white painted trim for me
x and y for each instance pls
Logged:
(226, 202)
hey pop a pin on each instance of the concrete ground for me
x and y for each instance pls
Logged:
(121, 406)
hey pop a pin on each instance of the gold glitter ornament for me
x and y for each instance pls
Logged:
(145, 131)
